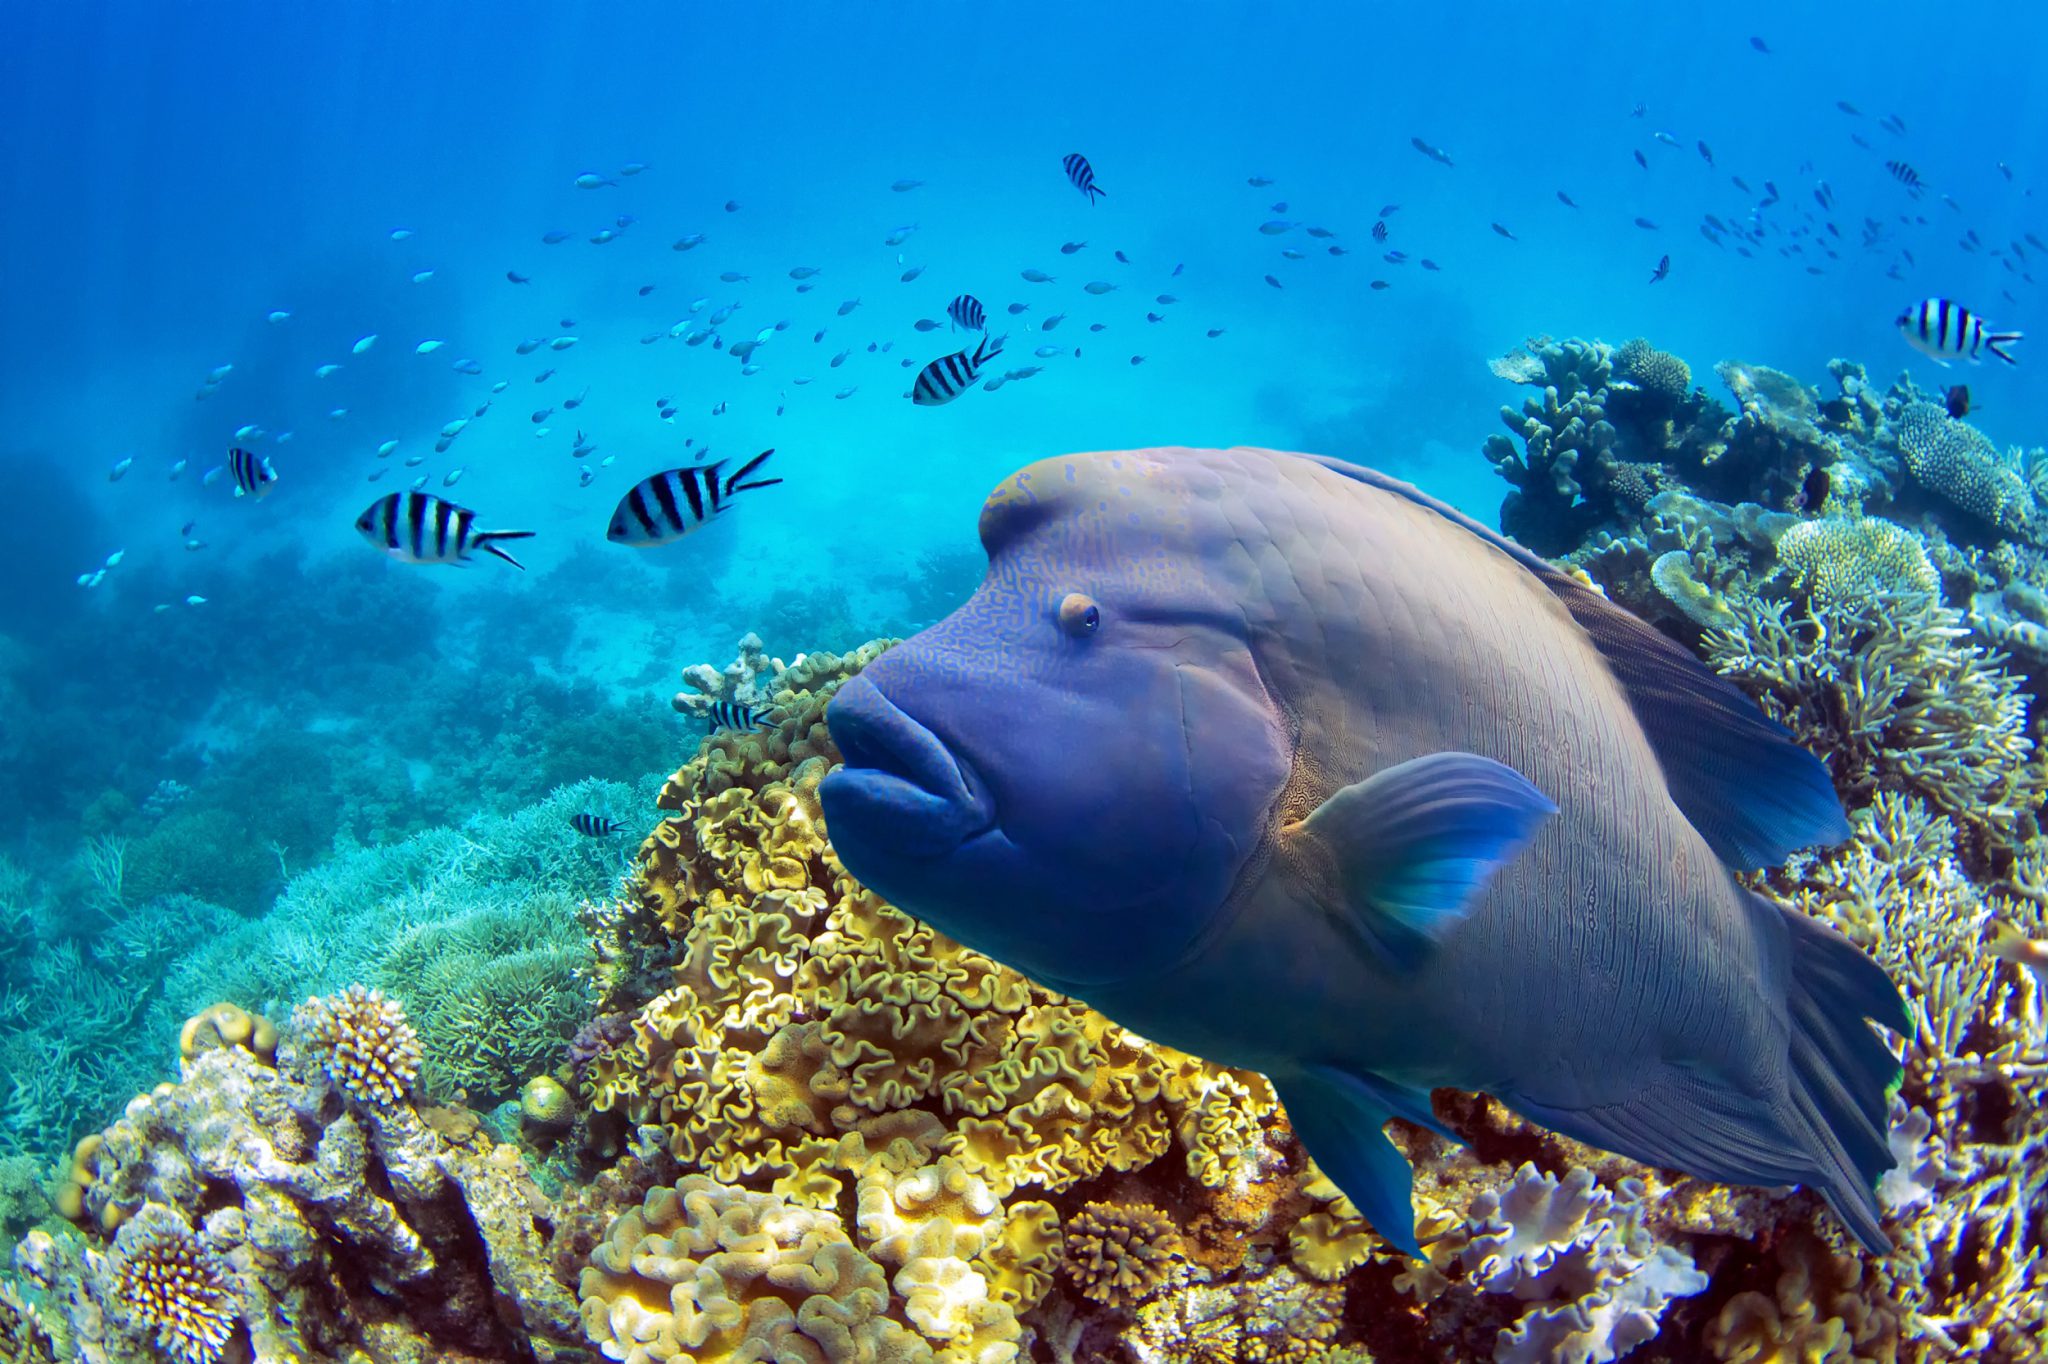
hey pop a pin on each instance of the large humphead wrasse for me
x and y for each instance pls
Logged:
(1276, 760)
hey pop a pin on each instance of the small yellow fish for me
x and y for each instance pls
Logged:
(2009, 944)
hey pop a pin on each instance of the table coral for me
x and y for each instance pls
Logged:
(1955, 461)
(1843, 558)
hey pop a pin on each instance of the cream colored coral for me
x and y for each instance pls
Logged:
(1119, 1254)
(363, 1043)
(704, 1272)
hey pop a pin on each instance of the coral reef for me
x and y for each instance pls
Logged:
(768, 1116)
(253, 1210)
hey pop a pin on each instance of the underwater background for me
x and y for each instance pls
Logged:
(250, 761)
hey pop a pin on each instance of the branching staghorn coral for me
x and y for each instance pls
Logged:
(1891, 694)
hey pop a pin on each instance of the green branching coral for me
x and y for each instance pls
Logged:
(1892, 694)
(494, 994)
(1955, 461)
(1846, 558)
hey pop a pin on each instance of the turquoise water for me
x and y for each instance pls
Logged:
(249, 693)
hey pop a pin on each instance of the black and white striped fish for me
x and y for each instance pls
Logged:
(420, 528)
(966, 311)
(949, 376)
(1904, 173)
(1082, 175)
(671, 504)
(736, 715)
(252, 472)
(594, 826)
(1945, 331)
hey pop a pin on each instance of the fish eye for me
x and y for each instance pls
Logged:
(1079, 615)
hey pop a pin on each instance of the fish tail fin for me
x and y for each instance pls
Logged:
(737, 483)
(487, 541)
(1339, 1116)
(1826, 1128)
(1095, 192)
(1996, 343)
(1842, 1073)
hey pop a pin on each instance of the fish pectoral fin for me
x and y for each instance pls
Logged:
(1339, 1117)
(1412, 846)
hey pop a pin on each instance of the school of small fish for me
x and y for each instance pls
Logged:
(1812, 232)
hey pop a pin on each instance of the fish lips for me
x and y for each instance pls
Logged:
(901, 793)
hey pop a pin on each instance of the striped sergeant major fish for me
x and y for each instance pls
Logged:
(671, 504)
(949, 376)
(1082, 175)
(735, 715)
(420, 528)
(594, 826)
(252, 472)
(1943, 331)
(966, 311)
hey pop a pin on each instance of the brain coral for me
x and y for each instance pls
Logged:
(363, 1043)
(1954, 460)
(1842, 558)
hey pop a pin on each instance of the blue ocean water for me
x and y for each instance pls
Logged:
(175, 174)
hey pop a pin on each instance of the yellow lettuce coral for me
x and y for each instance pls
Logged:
(803, 1010)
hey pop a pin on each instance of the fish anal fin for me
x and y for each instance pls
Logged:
(1340, 1118)
(1823, 1125)
(1410, 848)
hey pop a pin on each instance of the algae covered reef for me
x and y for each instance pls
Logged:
(737, 1108)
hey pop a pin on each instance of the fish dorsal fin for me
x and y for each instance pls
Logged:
(1736, 775)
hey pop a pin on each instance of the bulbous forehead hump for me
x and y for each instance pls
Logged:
(1118, 496)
